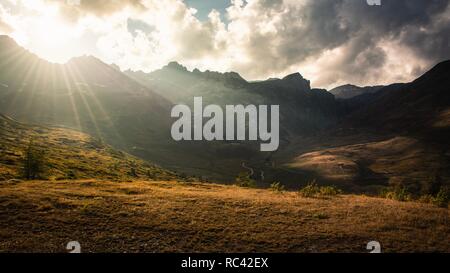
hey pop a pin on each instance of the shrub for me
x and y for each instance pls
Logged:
(320, 216)
(399, 193)
(310, 190)
(427, 199)
(330, 191)
(442, 198)
(314, 190)
(277, 187)
(244, 180)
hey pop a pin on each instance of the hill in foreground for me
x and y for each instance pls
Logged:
(193, 217)
(67, 154)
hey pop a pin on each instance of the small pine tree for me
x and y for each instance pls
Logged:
(33, 166)
(150, 175)
(133, 172)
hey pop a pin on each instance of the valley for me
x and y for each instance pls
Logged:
(225, 131)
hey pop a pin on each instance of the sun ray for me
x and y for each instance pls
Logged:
(23, 89)
(77, 79)
(38, 73)
(99, 106)
(68, 85)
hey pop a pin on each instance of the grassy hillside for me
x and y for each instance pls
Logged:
(396, 161)
(67, 154)
(193, 217)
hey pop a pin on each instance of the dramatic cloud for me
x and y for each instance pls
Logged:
(331, 42)
(342, 41)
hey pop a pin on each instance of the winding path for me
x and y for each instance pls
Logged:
(252, 172)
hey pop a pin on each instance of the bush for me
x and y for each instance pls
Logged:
(311, 190)
(244, 180)
(427, 199)
(442, 198)
(330, 191)
(277, 187)
(398, 193)
(314, 190)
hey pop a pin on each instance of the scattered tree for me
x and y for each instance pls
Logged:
(34, 163)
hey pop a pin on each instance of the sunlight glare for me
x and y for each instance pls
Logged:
(46, 33)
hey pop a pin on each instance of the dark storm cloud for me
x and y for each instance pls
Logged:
(310, 28)
(414, 22)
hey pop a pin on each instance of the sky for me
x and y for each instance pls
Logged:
(204, 7)
(330, 42)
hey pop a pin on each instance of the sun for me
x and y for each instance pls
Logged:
(47, 33)
(51, 32)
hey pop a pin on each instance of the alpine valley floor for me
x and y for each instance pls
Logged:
(170, 216)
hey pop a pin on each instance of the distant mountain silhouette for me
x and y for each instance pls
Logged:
(304, 110)
(349, 91)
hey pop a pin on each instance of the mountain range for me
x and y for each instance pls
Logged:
(361, 138)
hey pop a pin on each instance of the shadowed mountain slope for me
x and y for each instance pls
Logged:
(417, 106)
(397, 136)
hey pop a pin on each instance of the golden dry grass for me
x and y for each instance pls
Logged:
(142, 216)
